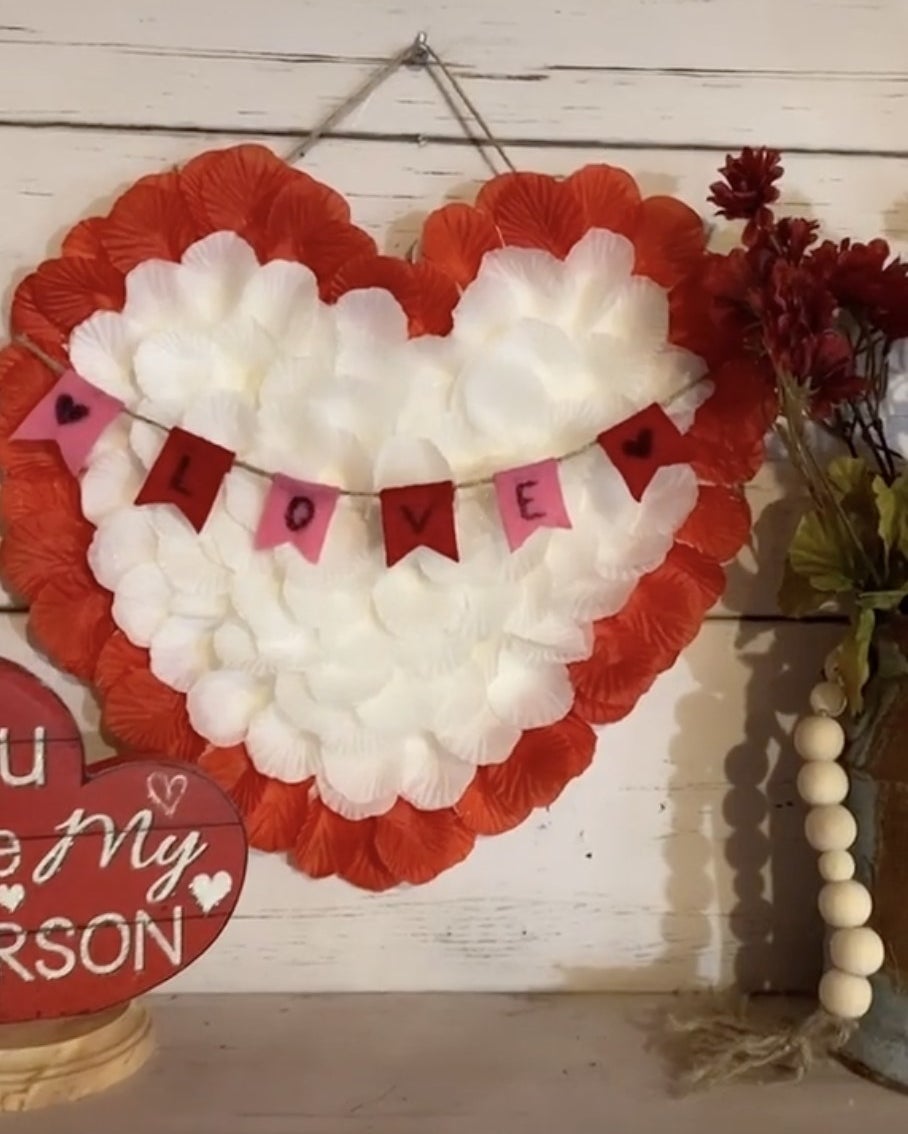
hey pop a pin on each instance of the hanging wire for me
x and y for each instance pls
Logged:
(435, 61)
(420, 54)
(409, 55)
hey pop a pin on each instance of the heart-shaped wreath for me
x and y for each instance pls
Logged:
(372, 719)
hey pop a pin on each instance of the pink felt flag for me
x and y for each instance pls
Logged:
(74, 414)
(530, 498)
(299, 513)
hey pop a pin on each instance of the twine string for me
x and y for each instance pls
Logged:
(419, 53)
(363, 494)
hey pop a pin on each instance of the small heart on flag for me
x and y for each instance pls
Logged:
(210, 889)
(640, 446)
(12, 896)
(67, 410)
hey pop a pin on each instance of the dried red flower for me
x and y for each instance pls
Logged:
(748, 186)
(796, 307)
(831, 375)
(864, 284)
(793, 236)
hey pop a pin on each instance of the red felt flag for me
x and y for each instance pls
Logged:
(418, 515)
(188, 473)
(643, 444)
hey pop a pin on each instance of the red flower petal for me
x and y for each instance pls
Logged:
(86, 239)
(232, 770)
(325, 248)
(71, 619)
(609, 198)
(663, 616)
(670, 240)
(416, 846)
(534, 775)
(532, 210)
(719, 525)
(53, 300)
(145, 715)
(151, 221)
(48, 488)
(455, 239)
(329, 844)
(280, 809)
(427, 297)
(41, 547)
(233, 188)
(727, 437)
(117, 659)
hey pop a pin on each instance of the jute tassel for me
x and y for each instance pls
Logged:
(726, 1042)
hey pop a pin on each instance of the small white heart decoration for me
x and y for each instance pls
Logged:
(167, 791)
(210, 889)
(12, 896)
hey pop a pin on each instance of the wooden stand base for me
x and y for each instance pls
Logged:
(58, 1061)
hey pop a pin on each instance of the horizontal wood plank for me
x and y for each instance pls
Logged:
(696, 788)
(851, 36)
(625, 106)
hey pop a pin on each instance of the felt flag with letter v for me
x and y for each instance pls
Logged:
(418, 515)
(74, 414)
(188, 474)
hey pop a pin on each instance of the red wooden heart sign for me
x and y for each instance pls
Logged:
(109, 883)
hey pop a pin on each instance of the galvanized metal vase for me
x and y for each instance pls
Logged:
(877, 763)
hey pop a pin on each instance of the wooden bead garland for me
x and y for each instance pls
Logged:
(855, 950)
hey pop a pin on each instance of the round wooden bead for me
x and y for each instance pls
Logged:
(828, 699)
(830, 828)
(836, 866)
(844, 905)
(819, 738)
(821, 782)
(845, 995)
(858, 951)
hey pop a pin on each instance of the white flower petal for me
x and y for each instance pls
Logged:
(277, 748)
(222, 703)
(181, 652)
(155, 298)
(174, 366)
(214, 274)
(101, 349)
(276, 292)
(123, 540)
(530, 695)
(234, 646)
(141, 603)
(225, 418)
(110, 483)
(431, 779)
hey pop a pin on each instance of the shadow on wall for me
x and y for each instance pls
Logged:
(774, 937)
(740, 879)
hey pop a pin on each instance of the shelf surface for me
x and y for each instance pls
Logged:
(440, 1064)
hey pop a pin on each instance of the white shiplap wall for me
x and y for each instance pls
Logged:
(678, 858)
